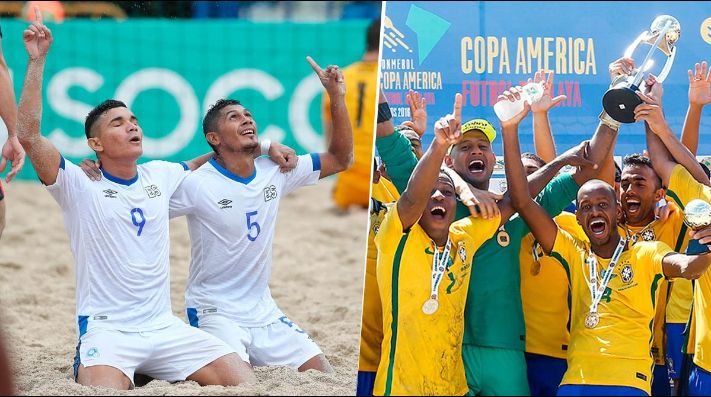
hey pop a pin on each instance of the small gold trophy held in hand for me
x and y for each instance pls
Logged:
(697, 215)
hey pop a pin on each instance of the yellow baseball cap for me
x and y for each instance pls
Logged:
(480, 125)
(477, 125)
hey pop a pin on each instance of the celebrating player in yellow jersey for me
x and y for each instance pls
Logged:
(423, 271)
(613, 284)
(683, 175)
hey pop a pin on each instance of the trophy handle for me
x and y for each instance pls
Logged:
(630, 50)
(667, 66)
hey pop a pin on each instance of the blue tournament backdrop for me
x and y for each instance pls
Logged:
(170, 71)
(481, 48)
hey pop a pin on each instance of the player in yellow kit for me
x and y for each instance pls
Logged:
(371, 331)
(423, 271)
(685, 178)
(352, 187)
(613, 305)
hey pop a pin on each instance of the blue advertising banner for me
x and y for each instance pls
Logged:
(481, 48)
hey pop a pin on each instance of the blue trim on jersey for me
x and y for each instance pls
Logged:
(699, 381)
(227, 173)
(83, 323)
(115, 179)
(366, 383)
(61, 161)
(660, 381)
(596, 390)
(316, 160)
(193, 317)
(185, 166)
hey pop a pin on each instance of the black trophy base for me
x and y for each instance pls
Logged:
(620, 102)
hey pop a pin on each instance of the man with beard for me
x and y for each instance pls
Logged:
(612, 305)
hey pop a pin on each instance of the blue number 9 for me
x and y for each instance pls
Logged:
(136, 222)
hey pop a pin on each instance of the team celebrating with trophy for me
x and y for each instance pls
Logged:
(590, 282)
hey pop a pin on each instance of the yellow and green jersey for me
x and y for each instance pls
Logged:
(421, 353)
(617, 351)
(684, 188)
(544, 294)
(672, 232)
(371, 330)
(361, 79)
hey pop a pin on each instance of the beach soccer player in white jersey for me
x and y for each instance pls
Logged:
(118, 230)
(231, 204)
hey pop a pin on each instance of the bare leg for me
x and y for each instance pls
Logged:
(318, 362)
(228, 370)
(103, 375)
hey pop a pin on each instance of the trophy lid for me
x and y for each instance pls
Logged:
(670, 27)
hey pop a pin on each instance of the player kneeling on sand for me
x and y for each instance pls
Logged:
(231, 204)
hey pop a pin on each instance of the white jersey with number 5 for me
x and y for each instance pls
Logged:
(231, 222)
(118, 230)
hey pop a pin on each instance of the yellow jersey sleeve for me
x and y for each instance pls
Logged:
(684, 188)
(479, 230)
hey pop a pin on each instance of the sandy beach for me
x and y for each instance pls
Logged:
(316, 280)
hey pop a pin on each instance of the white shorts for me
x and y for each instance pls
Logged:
(172, 353)
(279, 343)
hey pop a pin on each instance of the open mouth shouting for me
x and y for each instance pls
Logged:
(633, 206)
(477, 167)
(247, 132)
(438, 213)
(597, 226)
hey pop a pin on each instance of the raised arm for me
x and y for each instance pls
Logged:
(413, 200)
(542, 136)
(339, 156)
(44, 156)
(689, 267)
(671, 150)
(12, 150)
(542, 226)
(699, 96)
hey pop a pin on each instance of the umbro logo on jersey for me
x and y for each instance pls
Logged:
(152, 191)
(270, 193)
(224, 203)
(110, 193)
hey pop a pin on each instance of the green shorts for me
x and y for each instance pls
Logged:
(495, 372)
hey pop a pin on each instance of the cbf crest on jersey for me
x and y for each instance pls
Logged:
(377, 213)
(462, 250)
(626, 274)
(503, 238)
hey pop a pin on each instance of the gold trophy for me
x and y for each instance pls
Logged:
(621, 100)
(697, 215)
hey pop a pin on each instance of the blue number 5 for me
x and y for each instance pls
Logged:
(251, 225)
(136, 222)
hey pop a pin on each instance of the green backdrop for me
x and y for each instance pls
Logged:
(170, 71)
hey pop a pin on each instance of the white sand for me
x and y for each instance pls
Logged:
(317, 281)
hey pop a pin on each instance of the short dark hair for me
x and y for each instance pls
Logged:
(638, 160)
(534, 157)
(618, 172)
(209, 122)
(372, 36)
(96, 112)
